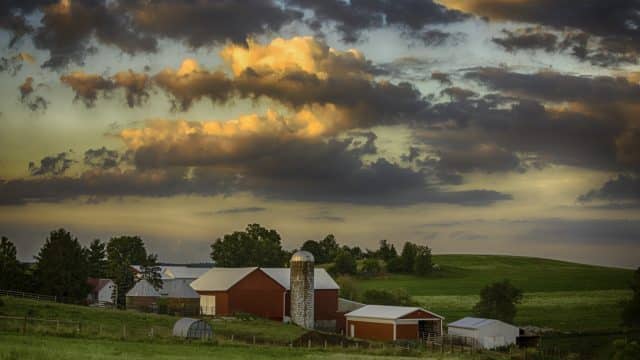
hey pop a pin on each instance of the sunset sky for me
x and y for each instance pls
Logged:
(473, 126)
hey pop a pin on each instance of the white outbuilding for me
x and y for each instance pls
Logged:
(488, 333)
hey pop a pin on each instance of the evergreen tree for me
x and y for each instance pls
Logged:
(61, 267)
(329, 248)
(386, 251)
(97, 258)
(11, 271)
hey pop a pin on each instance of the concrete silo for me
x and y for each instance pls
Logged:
(302, 289)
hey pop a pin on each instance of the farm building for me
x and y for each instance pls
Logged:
(225, 291)
(102, 291)
(488, 333)
(192, 329)
(390, 323)
(143, 297)
(176, 294)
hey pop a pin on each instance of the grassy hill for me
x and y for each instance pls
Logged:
(557, 294)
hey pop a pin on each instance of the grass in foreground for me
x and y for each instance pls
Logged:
(30, 347)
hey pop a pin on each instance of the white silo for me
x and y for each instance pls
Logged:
(302, 289)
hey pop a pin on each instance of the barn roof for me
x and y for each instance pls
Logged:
(386, 312)
(220, 279)
(97, 284)
(143, 288)
(178, 288)
(474, 323)
(182, 272)
(321, 279)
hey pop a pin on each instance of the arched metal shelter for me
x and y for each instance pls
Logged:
(192, 329)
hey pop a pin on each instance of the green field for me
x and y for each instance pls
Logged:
(559, 295)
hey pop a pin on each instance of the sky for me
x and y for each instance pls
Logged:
(475, 126)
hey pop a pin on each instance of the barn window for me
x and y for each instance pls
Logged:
(208, 304)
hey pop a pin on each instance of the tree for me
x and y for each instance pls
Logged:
(11, 271)
(386, 251)
(97, 258)
(345, 263)
(348, 288)
(314, 248)
(61, 267)
(423, 264)
(329, 248)
(371, 267)
(122, 252)
(151, 271)
(256, 246)
(408, 256)
(631, 308)
(394, 265)
(498, 301)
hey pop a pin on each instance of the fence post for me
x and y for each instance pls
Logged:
(231, 337)
(325, 344)
(254, 339)
(309, 343)
(57, 326)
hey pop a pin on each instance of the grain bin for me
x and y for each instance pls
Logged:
(302, 289)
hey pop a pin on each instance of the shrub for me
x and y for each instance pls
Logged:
(398, 297)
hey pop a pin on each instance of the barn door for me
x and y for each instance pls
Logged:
(208, 305)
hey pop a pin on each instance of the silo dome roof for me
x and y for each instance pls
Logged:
(302, 256)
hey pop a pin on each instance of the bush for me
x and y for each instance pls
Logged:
(398, 297)
(345, 263)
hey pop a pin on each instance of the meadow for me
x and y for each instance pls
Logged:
(559, 295)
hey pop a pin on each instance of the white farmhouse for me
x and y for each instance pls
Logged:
(488, 333)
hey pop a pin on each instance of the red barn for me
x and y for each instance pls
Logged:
(390, 323)
(263, 292)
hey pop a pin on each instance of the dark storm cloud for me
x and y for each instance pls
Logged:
(442, 78)
(51, 165)
(527, 39)
(115, 183)
(615, 22)
(554, 86)
(32, 101)
(352, 18)
(438, 37)
(621, 189)
(587, 231)
(208, 22)
(102, 158)
(13, 64)
(242, 210)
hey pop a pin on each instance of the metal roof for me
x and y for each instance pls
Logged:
(220, 279)
(143, 288)
(178, 288)
(386, 312)
(321, 278)
(183, 272)
(303, 256)
(474, 323)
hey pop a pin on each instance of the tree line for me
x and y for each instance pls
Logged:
(63, 266)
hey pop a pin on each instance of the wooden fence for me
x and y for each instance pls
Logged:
(28, 295)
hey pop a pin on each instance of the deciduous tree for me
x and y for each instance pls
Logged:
(498, 301)
(122, 252)
(256, 246)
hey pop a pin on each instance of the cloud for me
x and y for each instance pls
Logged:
(622, 189)
(87, 86)
(616, 22)
(242, 210)
(51, 165)
(12, 65)
(531, 38)
(583, 231)
(354, 17)
(28, 99)
(102, 158)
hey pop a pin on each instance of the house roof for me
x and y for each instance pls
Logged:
(386, 312)
(220, 279)
(97, 284)
(143, 288)
(321, 279)
(474, 323)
